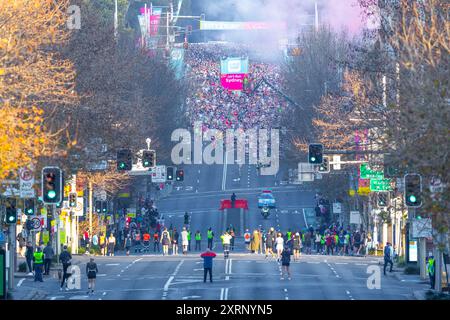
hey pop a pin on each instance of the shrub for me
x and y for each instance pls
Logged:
(23, 267)
(412, 270)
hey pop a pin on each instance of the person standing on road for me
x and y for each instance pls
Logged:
(29, 256)
(269, 242)
(254, 246)
(91, 272)
(111, 244)
(431, 269)
(156, 241)
(210, 235)
(184, 240)
(247, 239)
(38, 263)
(285, 262)
(127, 244)
(233, 236)
(208, 257)
(48, 256)
(102, 243)
(165, 240)
(65, 258)
(189, 239)
(198, 240)
(388, 257)
(317, 242)
(175, 239)
(226, 244)
(233, 200)
(329, 244)
(279, 242)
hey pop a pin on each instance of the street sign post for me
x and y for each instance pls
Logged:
(159, 174)
(26, 182)
(380, 185)
(366, 173)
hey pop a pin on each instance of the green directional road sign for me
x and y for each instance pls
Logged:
(379, 185)
(367, 173)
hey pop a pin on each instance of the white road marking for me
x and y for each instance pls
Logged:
(361, 264)
(101, 275)
(166, 286)
(341, 262)
(221, 293)
(104, 293)
(20, 282)
(226, 294)
(198, 269)
(191, 297)
(112, 264)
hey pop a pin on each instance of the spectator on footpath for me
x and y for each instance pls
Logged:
(38, 263)
(208, 257)
(29, 257)
(156, 241)
(431, 269)
(111, 244)
(48, 256)
(184, 240)
(65, 258)
(388, 254)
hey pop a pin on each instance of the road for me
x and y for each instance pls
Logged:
(151, 276)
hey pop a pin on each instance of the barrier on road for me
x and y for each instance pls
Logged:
(238, 204)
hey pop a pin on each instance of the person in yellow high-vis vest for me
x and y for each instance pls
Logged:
(431, 269)
(38, 263)
(198, 240)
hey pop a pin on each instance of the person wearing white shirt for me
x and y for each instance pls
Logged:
(184, 240)
(279, 242)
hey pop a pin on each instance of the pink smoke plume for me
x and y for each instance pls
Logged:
(343, 14)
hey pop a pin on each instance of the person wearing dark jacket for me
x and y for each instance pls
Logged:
(208, 257)
(29, 255)
(285, 262)
(91, 272)
(65, 258)
(48, 256)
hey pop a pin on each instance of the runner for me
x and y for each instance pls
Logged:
(111, 244)
(102, 243)
(285, 262)
(91, 271)
(270, 240)
(247, 238)
(279, 241)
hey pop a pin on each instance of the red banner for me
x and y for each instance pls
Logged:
(239, 203)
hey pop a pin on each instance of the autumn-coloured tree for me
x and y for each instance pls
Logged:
(35, 82)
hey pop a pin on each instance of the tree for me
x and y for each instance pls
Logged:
(35, 81)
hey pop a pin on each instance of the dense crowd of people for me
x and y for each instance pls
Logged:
(219, 108)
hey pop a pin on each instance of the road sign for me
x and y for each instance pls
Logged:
(379, 185)
(355, 217)
(36, 223)
(336, 162)
(337, 207)
(366, 173)
(79, 210)
(306, 171)
(159, 174)
(26, 182)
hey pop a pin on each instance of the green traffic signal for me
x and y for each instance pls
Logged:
(122, 165)
(313, 159)
(412, 198)
(51, 194)
(30, 211)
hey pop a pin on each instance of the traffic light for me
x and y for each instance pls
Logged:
(104, 206)
(148, 158)
(413, 190)
(98, 206)
(382, 199)
(51, 185)
(169, 173)
(180, 175)
(11, 212)
(72, 200)
(315, 153)
(325, 166)
(124, 160)
(29, 207)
